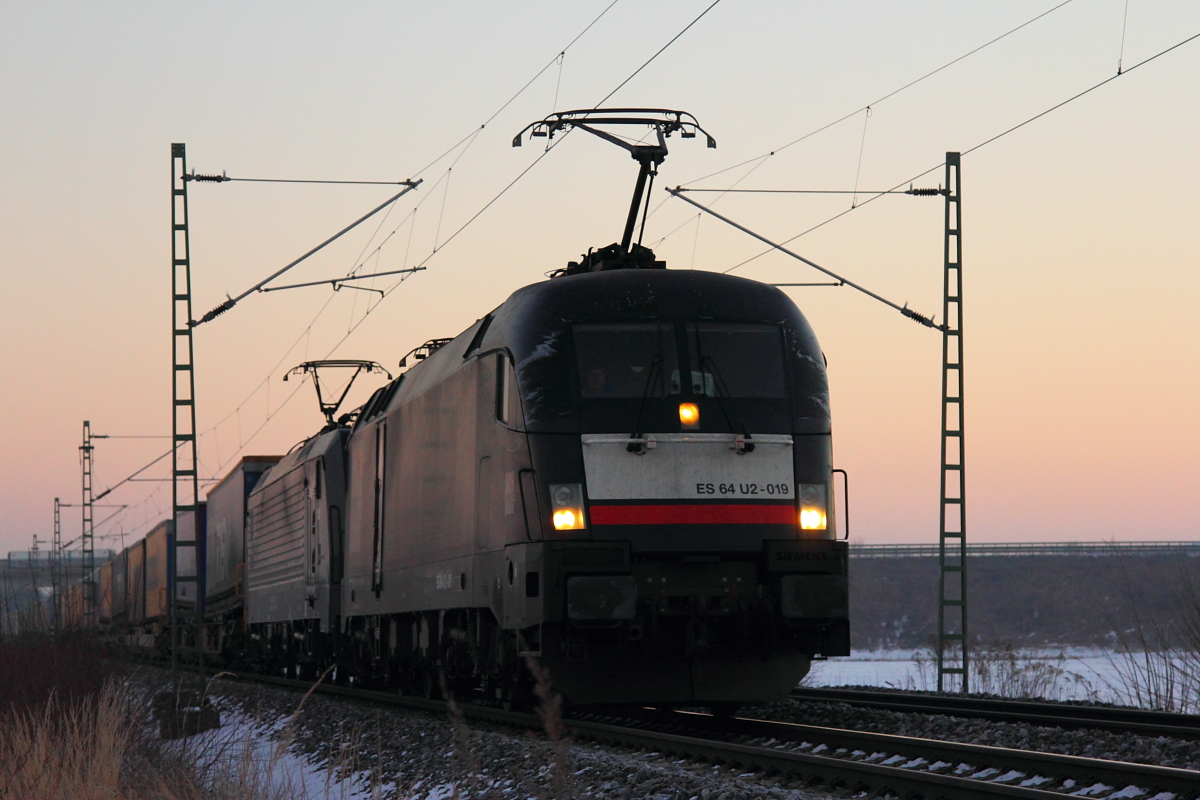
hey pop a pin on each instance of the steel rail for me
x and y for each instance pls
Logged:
(1063, 773)
(880, 763)
(830, 757)
(1058, 715)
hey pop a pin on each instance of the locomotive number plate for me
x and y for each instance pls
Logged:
(688, 467)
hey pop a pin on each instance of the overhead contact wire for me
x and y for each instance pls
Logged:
(660, 52)
(982, 144)
(1089, 90)
(521, 91)
(546, 152)
(522, 174)
(887, 96)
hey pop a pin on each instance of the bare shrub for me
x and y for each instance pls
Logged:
(1187, 598)
(925, 664)
(1156, 661)
(1003, 670)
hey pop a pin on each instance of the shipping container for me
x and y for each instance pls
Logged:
(120, 590)
(104, 594)
(135, 582)
(158, 553)
(225, 545)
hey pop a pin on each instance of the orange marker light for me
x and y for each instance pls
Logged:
(689, 416)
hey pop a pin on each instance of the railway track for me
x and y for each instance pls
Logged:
(1060, 715)
(828, 757)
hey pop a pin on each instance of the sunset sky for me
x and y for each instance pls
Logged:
(1081, 274)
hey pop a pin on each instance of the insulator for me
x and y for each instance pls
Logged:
(207, 178)
(216, 312)
(926, 192)
(918, 317)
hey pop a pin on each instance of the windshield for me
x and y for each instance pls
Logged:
(627, 359)
(736, 360)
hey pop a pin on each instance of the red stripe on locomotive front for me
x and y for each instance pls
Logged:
(723, 514)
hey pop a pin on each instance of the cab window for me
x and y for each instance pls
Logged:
(736, 360)
(627, 360)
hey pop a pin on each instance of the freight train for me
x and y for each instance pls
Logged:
(624, 472)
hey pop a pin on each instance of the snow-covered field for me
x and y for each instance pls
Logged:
(1086, 674)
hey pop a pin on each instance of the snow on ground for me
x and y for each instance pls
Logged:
(257, 751)
(1090, 674)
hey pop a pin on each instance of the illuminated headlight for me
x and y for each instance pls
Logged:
(813, 515)
(689, 416)
(566, 500)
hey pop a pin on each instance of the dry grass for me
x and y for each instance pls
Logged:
(548, 776)
(550, 711)
(124, 740)
(77, 725)
(69, 750)
(244, 761)
(1004, 671)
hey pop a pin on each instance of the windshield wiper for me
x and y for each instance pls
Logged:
(634, 445)
(722, 389)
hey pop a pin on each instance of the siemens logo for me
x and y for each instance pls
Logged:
(793, 556)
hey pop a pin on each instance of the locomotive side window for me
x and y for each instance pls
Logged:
(736, 359)
(377, 538)
(627, 360)
(502, 388)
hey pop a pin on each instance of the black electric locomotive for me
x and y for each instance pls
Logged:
(623, 472)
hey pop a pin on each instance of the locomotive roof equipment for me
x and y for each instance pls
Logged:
(329, 408)
(664, 122)
(424, 351)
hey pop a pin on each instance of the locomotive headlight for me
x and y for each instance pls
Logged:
(689, 416)
(813, 516)
(567, 502)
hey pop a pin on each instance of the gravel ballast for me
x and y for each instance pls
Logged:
(1163, 751)
(418, 755)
